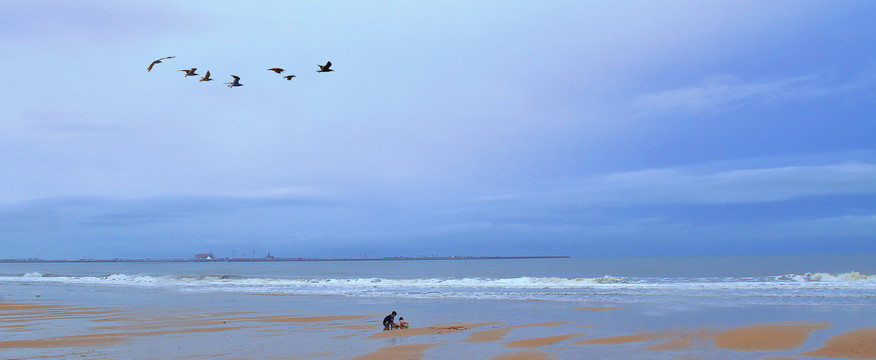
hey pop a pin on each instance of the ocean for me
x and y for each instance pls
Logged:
(792, 279)
(656, 293)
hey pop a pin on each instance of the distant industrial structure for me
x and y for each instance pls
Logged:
(210, 257)
(205, 256)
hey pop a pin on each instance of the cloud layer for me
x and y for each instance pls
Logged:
(459, 128)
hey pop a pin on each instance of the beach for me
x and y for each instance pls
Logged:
(48, 329)
(102, 318)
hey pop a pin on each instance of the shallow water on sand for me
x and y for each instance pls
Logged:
(348, 300)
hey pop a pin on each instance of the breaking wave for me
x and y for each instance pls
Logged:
(825, 277)
(229, 280)
(807, 285)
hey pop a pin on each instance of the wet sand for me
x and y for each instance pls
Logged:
(856, 344)
(624, 339)
(499, 333)
(525, 355)
(541, 341)
(429, 330)
(766, 337)
(597, 308)
(99, 339)
(30, 330)
(398, 352)
(683, 342)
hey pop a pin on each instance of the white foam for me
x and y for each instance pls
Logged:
(849, 285)
(844, 277)
(852, 276)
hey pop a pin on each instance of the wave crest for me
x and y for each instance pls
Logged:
(852, 276)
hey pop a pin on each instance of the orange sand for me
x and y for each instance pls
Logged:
(856, 344)
(612, 340)
(28, 306)
(64, 341)
(489, 335)
(524, 355)
(121, 326)
(28, 312)
(398, 352)
(500, 333)
(430, 330)
(97, 339)
(680, 343)
(48, 316)
(541, 341)
(766, 337)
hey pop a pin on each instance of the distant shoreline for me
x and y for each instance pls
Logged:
(388, 258)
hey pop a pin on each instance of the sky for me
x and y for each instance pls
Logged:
(580, 128)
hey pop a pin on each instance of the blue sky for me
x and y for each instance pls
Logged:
(582, 128)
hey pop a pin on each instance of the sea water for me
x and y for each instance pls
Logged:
(742, 280)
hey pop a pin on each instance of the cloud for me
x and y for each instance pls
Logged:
(722, 92)
(90, 22)
(851, 220)
(685, 186)
(74, 122)
(89, 212)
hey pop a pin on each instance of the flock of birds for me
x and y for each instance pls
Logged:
(236, 81)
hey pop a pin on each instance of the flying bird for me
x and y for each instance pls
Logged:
(158, 62)
(277, 70)
(234, 83)
(289, 77)
(325, 68)
(206, 77)
(190, 72)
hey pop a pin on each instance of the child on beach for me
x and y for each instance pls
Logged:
(403, 324)
(389, 322)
